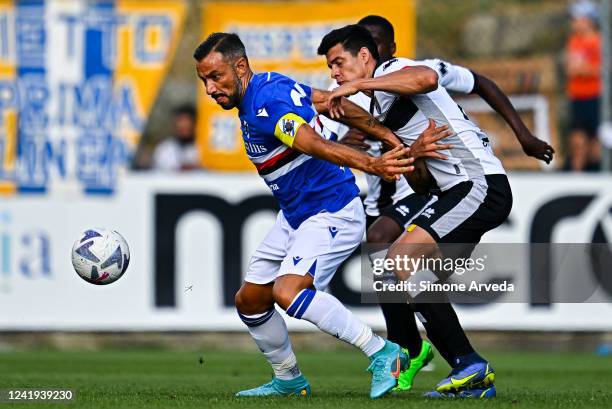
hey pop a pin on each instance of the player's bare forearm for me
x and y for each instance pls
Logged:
(339, 154)
(356, 117)
(408, 81)
(309, 142)
(495, 97)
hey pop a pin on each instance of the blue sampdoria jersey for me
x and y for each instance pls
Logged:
(271, 112)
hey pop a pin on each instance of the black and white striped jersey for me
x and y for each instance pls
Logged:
(471, 156)
(381, 193)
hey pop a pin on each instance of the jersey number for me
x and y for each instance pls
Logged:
(297, 93)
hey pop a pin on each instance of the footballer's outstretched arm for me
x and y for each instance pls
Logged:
(463, 80)
(388, 166)
(356, 117)
(417, 79)
(495, 97)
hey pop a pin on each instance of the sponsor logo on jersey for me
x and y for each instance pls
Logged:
(254, 148)
(262, 112)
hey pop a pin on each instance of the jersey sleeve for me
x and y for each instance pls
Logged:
(334, 127)
(394, 64)
(331, 129)
(288, 106)
(452, 77)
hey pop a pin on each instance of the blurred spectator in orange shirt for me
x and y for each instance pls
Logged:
(179, 152)
(583, 67)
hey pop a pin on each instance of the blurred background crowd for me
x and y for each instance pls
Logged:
(548, 48)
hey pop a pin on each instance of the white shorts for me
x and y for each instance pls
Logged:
(317, 247)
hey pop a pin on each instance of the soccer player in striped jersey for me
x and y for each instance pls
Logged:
(321, 221)
(474, 197)
(391, 205)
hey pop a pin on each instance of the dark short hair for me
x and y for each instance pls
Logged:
(227, 44)
(382, 23)
(185, 109)
(352, 37)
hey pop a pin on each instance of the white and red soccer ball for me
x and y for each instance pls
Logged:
(100, 256)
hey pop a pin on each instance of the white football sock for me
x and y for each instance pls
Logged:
(330, 316)
(269, 332)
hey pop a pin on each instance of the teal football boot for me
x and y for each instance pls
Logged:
(386, 366)
(278, 387)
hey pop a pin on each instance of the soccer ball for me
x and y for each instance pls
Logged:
(100, 256)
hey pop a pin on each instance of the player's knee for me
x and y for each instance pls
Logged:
(284, 295)
(288, 286)
(396, 255)
(377, 236)
(384, 230)
(239, 302)
(246, 304)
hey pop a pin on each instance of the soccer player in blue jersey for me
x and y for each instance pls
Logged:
(321, 221)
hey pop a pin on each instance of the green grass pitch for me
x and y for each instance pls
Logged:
(168, 379)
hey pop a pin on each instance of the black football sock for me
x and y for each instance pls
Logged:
(441, 320)
(465, 360)
(438, 342)
(402, 327)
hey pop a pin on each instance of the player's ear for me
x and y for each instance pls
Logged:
(242, 66)
(364, 54)
(393, 48)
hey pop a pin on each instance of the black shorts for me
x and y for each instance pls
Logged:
(584, 115)
(468, 210)
(404, 211)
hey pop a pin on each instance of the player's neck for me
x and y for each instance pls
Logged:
(245, 83)
(370, 68)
